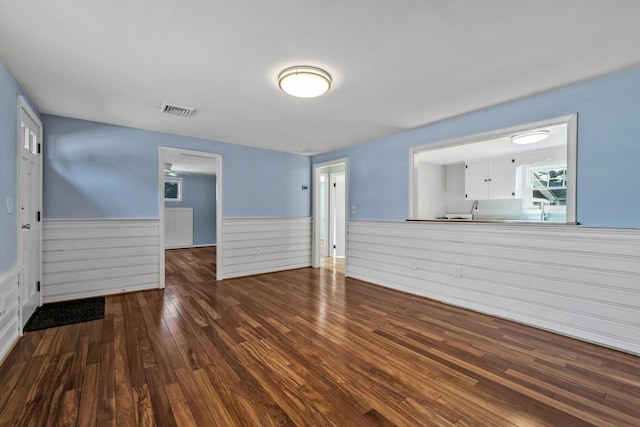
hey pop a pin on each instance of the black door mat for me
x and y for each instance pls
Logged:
(66, 313)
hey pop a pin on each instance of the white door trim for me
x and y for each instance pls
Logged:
(162, 151)
(23, 106)
(316, 209)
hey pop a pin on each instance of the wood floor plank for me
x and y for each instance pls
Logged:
(183, 415)
(306, 347)
(81, 353)
(163, 414)
(88, 406)
(199, 406)
(9, 381)
(12, 414)
(125, 412)
(106, 414)
(144, 416)
(32, 413)
(220, 413)
(134, 361)
(68, 415)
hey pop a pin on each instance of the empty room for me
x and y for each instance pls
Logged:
(330, 213)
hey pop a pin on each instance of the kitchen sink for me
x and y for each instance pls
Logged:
(458, 216)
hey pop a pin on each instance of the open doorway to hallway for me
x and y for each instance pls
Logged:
(190, 214)
(330, 215)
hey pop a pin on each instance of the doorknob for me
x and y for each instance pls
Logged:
(27, 226)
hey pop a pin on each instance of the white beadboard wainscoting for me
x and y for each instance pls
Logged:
(262, 245)
(580, 282)
(9, 310)
(85, 258)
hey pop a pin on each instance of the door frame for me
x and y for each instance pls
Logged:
(23, 105)
(315, 261)
(161, 156)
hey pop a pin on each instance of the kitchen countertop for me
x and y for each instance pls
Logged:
(496, 221)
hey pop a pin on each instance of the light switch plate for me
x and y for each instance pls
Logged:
(9, 205)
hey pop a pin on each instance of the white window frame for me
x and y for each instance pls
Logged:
(177, 180)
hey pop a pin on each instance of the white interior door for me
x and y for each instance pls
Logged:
(338, 214)
(30, 193)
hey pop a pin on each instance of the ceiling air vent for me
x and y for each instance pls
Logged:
(178, 110)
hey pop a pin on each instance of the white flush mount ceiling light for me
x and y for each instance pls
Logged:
(530, 137)
(304, 82)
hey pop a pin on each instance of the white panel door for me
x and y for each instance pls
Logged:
(338, 214)
(29, 140)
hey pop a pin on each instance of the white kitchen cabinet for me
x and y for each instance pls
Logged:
(178, 227)
(490, 179)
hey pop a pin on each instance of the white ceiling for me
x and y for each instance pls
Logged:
(396, 64)
(186, 164)
(496, 147)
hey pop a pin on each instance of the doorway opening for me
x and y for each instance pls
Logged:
(491, 176)
(330, 184)
(190, 212)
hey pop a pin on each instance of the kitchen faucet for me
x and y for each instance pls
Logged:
(474, 206)
(543, 215)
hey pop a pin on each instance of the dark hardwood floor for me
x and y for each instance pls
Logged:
(306, 348)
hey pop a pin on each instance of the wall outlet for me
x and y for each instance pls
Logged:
(258, 251)
(414, 264)
(353, 209)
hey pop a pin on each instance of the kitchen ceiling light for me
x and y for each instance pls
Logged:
(530, 137)
(304, 81)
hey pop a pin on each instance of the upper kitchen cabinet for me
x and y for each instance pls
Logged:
(490, 179)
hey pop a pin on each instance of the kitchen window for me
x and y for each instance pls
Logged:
(546, 184)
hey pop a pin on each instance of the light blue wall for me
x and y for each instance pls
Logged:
(96, 170)
(608, 192)
(9, 91)
(199, 193)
